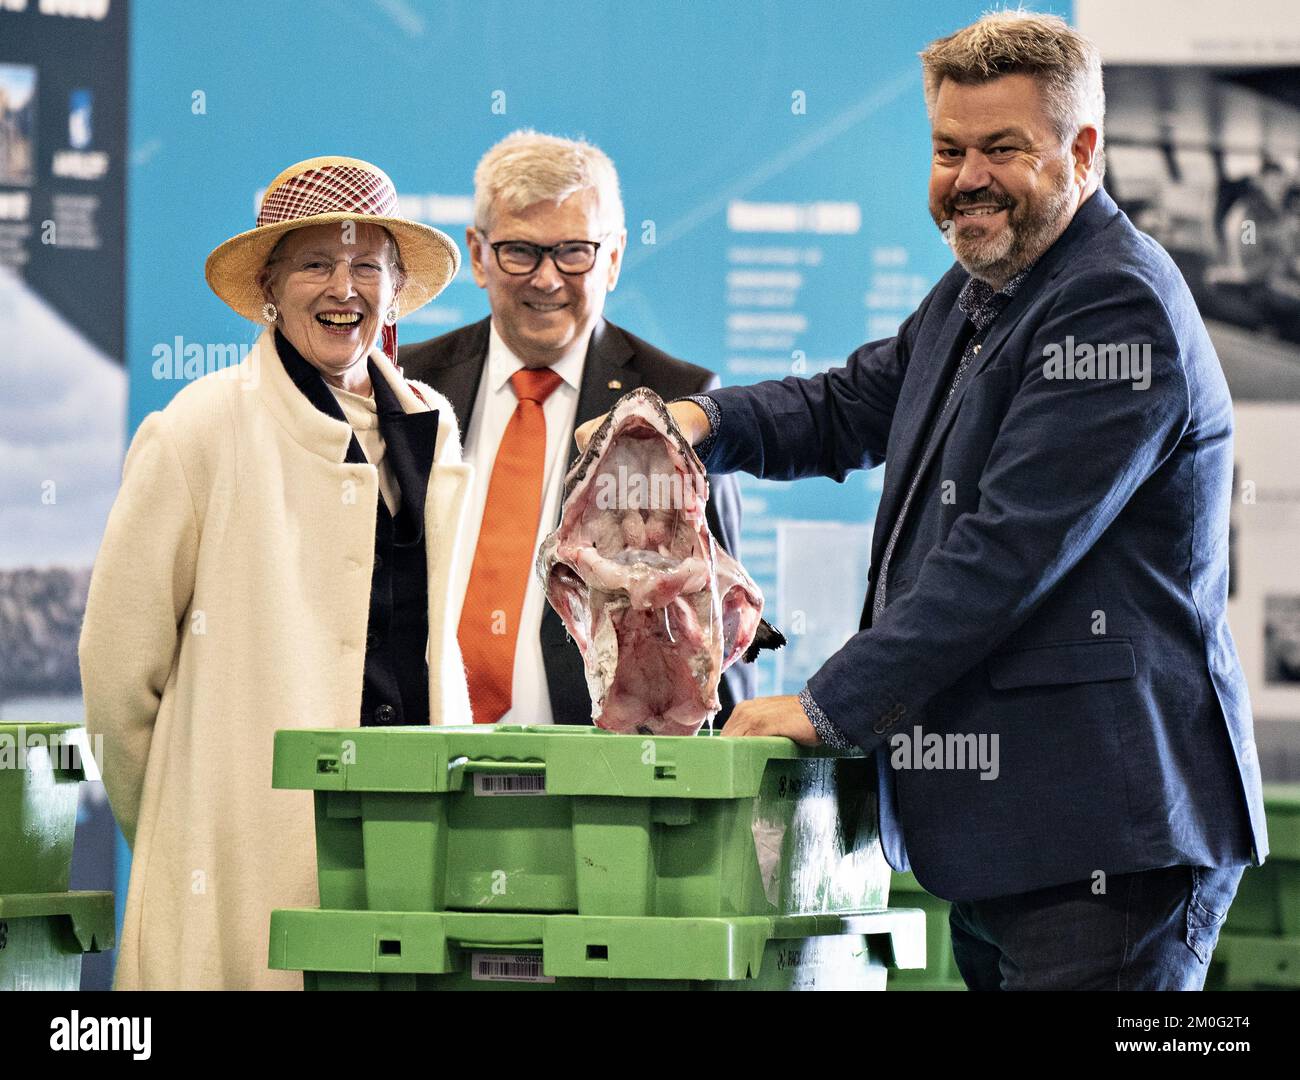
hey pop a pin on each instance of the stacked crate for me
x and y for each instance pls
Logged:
(1259, 946)
(44, 929)
(940, 972)
(573, 858)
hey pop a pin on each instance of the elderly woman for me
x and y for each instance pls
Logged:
(278, 556)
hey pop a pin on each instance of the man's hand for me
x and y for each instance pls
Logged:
(693, 421)
(773, 716)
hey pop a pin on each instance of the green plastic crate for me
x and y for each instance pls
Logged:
(579, 820)
(40, 775)
(1255, 962)
(43, 937)
(386, 950)
(940, 971)
(1268, 899)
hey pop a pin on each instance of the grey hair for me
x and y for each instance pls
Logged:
(1065, 64)
(528, 167)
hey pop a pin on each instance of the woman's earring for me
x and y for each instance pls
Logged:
(270, 313)
(390, 316)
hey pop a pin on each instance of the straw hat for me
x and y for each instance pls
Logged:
(316, 192)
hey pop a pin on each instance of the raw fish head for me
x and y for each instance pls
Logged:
(658, 609)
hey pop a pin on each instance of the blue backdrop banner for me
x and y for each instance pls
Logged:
(773, 159)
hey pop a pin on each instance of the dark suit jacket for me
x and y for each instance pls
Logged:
(1069, 598)
(453, 364)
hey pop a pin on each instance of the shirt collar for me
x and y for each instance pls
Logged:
(502, 363)
(981, 303)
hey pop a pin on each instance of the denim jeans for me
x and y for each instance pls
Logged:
(1150, 930)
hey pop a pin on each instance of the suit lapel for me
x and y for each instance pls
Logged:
(463, 371)
(1005, 323)
(916, 406)
(606, 376)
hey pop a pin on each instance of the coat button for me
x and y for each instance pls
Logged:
(379, 562)
(385, 713)
(372, 639)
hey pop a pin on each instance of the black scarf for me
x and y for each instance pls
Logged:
(409, 437)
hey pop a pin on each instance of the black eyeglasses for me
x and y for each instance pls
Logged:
(572, 257)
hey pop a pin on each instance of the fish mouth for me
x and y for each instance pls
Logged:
(669, 474)
(642, 480)
(624, 420)
(636, 427)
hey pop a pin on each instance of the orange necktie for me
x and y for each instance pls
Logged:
(503, 559)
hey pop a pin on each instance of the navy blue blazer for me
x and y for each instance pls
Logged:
(1069, 595)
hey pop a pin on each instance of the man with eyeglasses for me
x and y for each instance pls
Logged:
(547, 244)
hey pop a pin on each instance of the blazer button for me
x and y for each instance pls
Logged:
(379, 562)
(385, 713)
(371, 640)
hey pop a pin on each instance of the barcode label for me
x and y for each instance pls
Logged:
(508, 967)
(509, 784)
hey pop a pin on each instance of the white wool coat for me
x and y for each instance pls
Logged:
(230, 599)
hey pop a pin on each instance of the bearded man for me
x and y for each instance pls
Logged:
(1044, 671)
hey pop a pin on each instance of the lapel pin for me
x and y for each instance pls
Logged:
(614, 384)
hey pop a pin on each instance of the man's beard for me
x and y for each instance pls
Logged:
(1030, 229)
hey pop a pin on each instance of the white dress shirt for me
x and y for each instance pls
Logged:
(494, 405)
